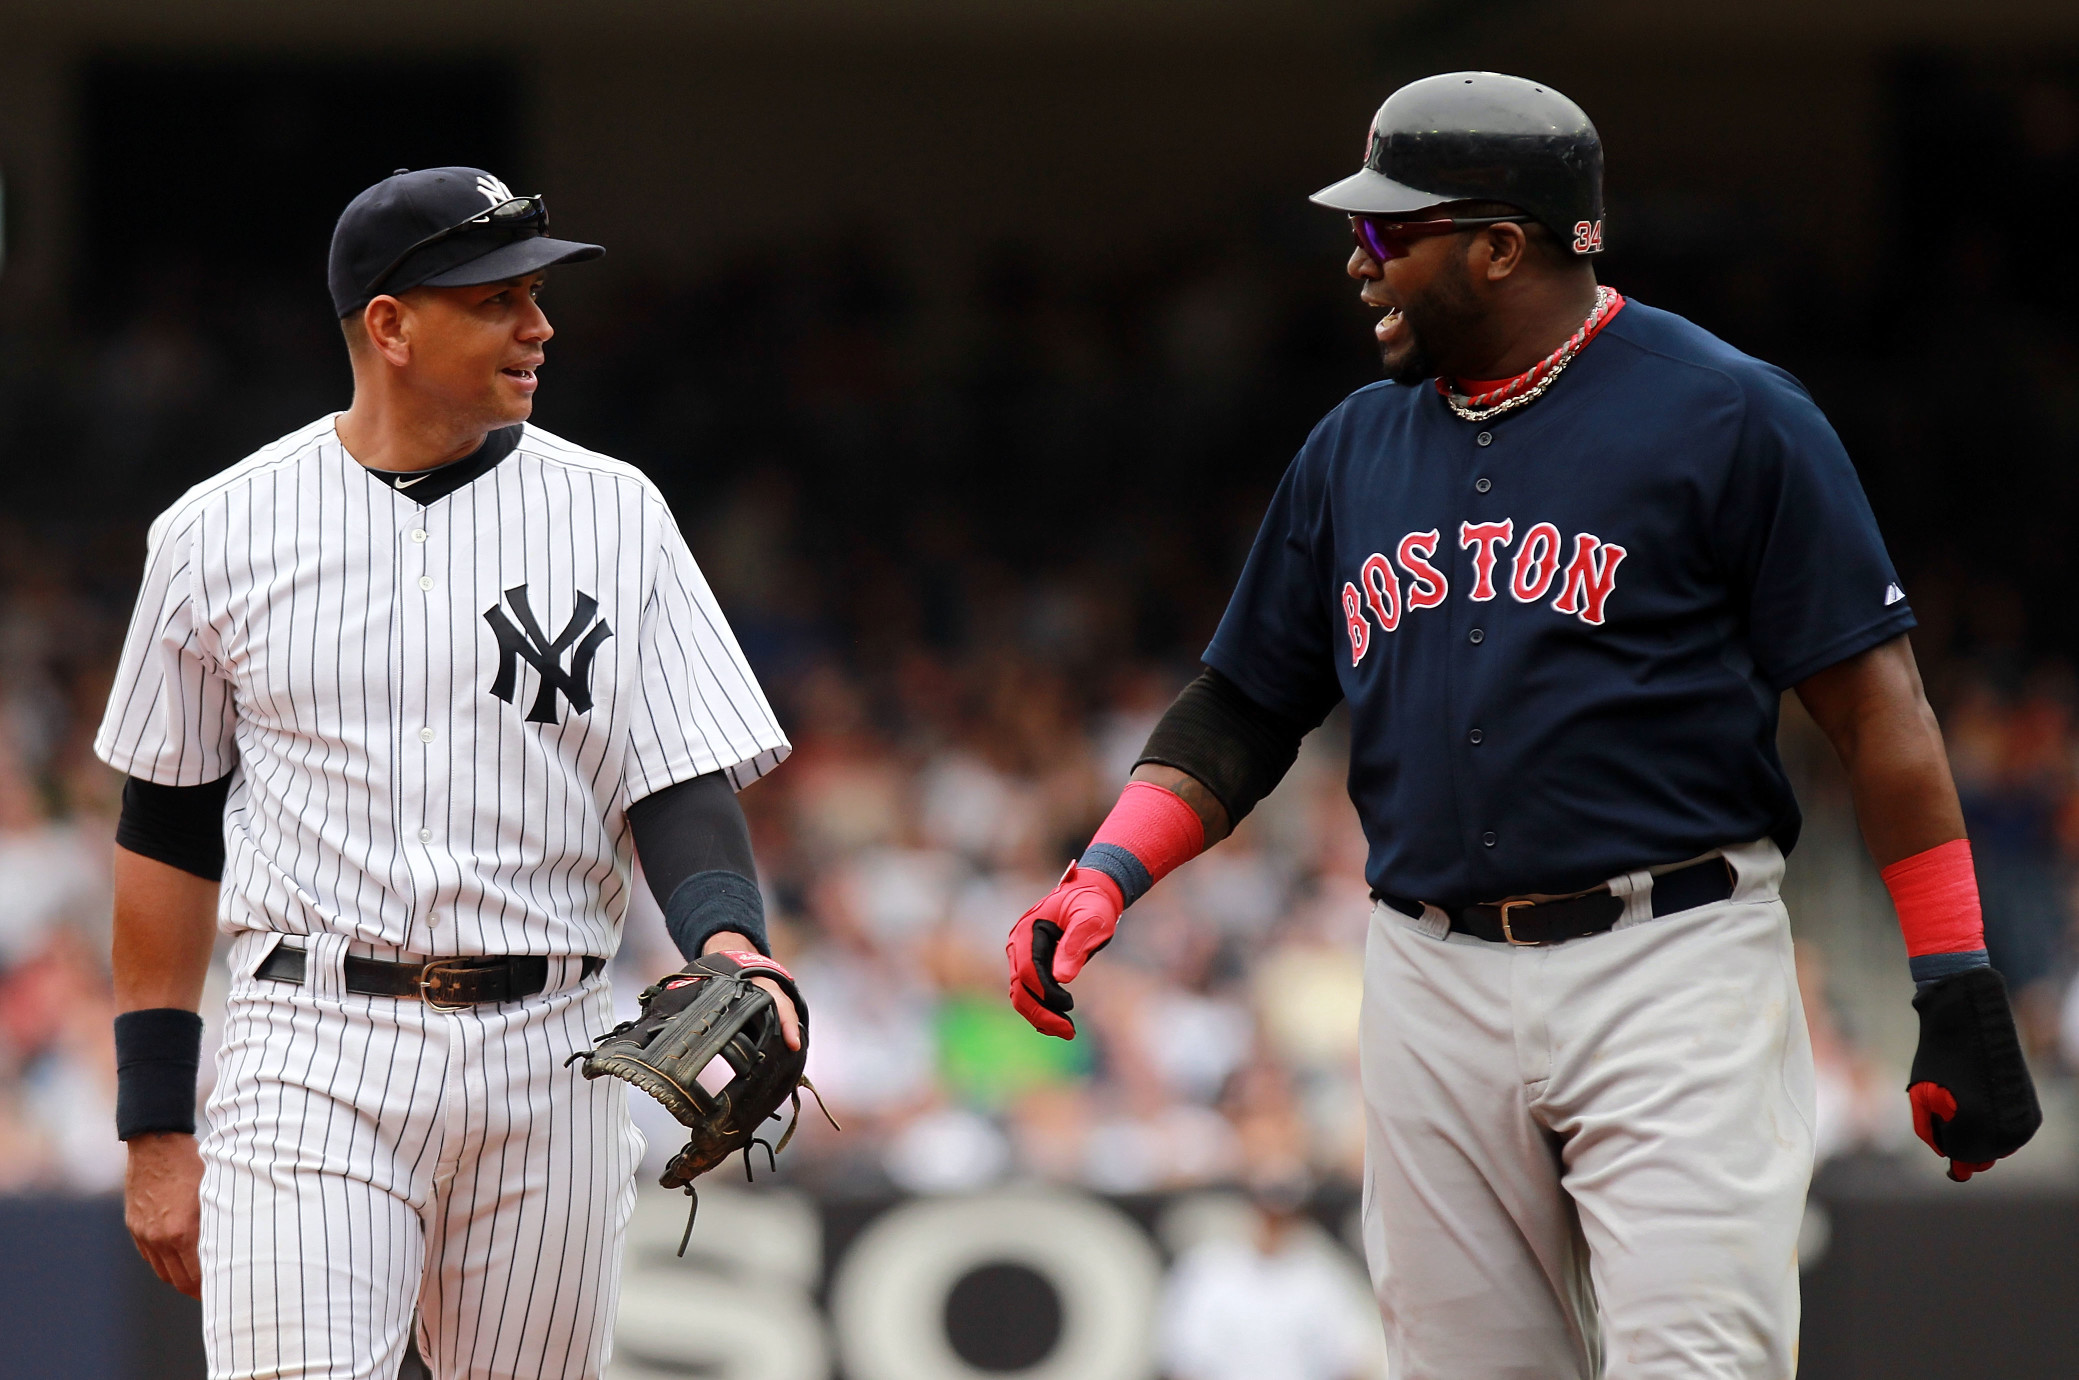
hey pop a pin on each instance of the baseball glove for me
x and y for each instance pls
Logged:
(710, 1010)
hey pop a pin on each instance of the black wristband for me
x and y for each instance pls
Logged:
(158, 1054)
(707, 903)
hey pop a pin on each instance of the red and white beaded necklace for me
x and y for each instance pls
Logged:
(1531, 383)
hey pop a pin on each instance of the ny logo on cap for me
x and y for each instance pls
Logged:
(495, 191)
(528, 642)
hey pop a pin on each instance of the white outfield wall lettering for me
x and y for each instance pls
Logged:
(888, 1301)
(739, 1306)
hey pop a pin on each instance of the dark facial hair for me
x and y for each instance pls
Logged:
(1444, 310)
(1416, 364)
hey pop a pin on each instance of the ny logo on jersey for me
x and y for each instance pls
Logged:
(527, 642)
(494, 189)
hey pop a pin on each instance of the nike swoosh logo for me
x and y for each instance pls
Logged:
(406, 483)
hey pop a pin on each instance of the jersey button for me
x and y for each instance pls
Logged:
(1485, 438)
(1476, 637)
(426, 836)
(425, 582)
(1482, 484)
(1488, 838)
(418, 534)
(425, 735)
(1474, 737)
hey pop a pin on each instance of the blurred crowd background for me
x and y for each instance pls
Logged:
(973, 561)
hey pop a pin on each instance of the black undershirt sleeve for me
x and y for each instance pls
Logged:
(181, 826)
(695, 847)
(1237, 748)
(159, 1050)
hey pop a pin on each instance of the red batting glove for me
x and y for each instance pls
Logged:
(1051, 942)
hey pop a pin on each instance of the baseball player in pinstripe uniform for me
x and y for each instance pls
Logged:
(405, 693)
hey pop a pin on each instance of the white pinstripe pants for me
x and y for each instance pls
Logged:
(368, 1155)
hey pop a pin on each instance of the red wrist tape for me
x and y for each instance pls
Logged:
(1156, 827)
(1936, 895)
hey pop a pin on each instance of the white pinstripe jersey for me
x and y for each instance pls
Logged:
(435, 715)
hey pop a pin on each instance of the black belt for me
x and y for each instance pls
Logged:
(445, 984)
(1553, 922)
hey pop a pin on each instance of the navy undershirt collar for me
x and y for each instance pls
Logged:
(428, 486)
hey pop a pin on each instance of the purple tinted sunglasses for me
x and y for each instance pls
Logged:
(1387, 239)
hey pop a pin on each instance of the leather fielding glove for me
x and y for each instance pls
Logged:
(1051, 942)
(711, 1010)
(1973, 1100)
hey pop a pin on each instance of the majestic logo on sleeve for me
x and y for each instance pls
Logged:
(1581, 584)
(528, 643)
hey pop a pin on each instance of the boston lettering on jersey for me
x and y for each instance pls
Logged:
(1563, 633)
(1583, 589)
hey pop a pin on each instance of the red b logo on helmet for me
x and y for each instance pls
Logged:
(1588, 237)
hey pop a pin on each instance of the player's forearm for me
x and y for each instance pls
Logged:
(1874, 710)
(1214, 753)
(1904, 797)
(1211, 757)
(1220, 751)
(695, 847)
(1193, 792)
(165, 927)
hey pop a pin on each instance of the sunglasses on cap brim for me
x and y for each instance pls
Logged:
(520, 213)
(1386, 239)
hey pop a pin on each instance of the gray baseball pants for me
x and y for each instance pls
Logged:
(1590, 1159)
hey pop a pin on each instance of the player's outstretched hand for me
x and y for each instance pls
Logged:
(1973, 1100)
(1051, 942)
(162, 1206)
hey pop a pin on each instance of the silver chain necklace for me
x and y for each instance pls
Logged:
(1544, 371)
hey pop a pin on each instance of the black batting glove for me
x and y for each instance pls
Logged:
(1973, 1100)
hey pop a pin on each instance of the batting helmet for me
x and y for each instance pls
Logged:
(1481, 136)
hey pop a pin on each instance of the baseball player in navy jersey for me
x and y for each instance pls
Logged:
(1561, 565)
(404, 694)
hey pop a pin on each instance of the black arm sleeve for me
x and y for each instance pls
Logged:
(695, 847)
(1238, 749)
(181, 826)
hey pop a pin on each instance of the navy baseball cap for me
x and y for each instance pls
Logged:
(440, 227)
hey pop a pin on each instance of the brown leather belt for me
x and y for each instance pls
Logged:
(1575, 917)
(445, 984)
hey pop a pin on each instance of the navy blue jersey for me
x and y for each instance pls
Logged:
(1564, 633)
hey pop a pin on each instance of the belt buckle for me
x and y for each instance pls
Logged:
(440, 982)
(1510, 934)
